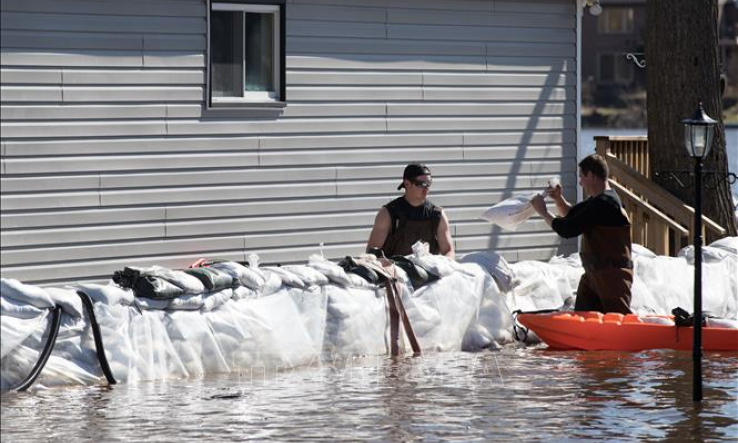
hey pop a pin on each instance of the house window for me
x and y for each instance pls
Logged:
(615, 21)
(246, 54)
(614, 68)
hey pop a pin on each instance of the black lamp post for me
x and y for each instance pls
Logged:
(698, 133)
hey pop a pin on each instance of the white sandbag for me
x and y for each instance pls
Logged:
(729, 244)
(356, 322)
(68, 299)
(334, 272)
(310, 276)
(709, 254)
(542, 286)
(110, 294)
(25, 294)
(12, 308)
(16, 330)
(272, 282)
(188, 283)
(251, 278)
(495, 265)
(642, 251)
(186, 302)
(240, 292)
(492, 325)
(730, 323)
(358, 281)
(288, 278)
(510, 213)
(216, 299)
(151, 303)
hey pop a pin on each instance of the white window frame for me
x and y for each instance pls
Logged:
(250, 98)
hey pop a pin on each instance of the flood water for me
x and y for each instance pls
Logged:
(514, 394)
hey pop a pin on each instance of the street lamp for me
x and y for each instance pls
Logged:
(698, 133)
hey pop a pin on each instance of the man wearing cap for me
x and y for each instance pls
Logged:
(412, 217)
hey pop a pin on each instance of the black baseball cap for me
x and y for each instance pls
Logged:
(413, 170)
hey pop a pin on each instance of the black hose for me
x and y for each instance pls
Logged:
(99, 347)
(45, 352)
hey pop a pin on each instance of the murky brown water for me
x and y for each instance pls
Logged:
(510, 395)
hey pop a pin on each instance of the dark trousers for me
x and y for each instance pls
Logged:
(605, 290)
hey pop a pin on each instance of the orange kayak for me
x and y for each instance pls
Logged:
(593, 331)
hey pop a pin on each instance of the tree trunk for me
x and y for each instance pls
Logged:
(682, 70)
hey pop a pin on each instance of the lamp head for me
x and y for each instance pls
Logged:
(698, 133)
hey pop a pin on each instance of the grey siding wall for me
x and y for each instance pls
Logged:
(108, 158)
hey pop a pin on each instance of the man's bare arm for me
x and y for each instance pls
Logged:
(445, 242)
(381, 229)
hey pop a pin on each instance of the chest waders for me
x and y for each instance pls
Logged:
(608, 270)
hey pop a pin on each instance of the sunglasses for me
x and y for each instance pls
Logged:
(422, 183)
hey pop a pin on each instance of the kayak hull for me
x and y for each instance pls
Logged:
(593, 331)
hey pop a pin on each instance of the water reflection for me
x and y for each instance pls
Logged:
(508, 395)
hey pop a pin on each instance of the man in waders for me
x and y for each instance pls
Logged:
(606, 242)
(412, 217)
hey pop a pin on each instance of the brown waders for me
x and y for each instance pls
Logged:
(386, 270)
(608, 270)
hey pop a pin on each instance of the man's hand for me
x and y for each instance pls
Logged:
(539, 205)
(554, 192)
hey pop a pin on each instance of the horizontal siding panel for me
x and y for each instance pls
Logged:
(9, 76)
(348, 13)
(128, 146)
(35, 165)
(477, 18)
(92, 94)
(547, 7)
(511, 241)
(127, 249)
(173, 59)
(133, 77)
(531, 64)
(374, 62)
(516, 49)
(490, 79)
(447, 184)
(519, 138)
(184, 8)
(30, 94)
(478, 123)
(87, 129)
(503, 94)
(82, 112)
(65, 40)
(274, 208)
(210, 177)
(81, 217)
(86, 58)
(303, 126)
(293, 223)
(473, 109)
(361, 141)
(335, 110)
(297, 28)
(357, 156)
(102, 23)
(382, 46)
(89, 234)
(510, 152)
(479, 33)
(41, 184)
(334, 93)
(215, 193)
(190, 43)
(59, 200)
(353, 78)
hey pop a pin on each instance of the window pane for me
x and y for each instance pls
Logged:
(625, 70)
(226, 29)
(259, 42)
(606, 68)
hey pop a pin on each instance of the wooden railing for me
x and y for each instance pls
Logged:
(660, 221)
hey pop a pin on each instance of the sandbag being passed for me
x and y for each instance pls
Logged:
(512, 212)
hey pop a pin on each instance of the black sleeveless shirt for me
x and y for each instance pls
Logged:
(410, 224)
